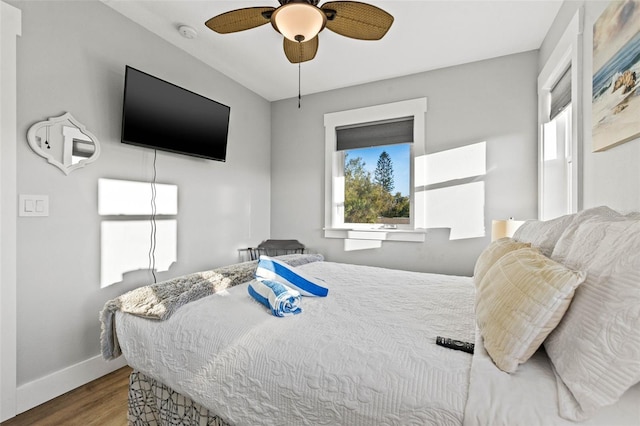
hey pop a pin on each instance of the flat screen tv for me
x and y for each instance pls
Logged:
(160, 115)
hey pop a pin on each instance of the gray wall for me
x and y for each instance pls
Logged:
(71, 57)
(493, 101)
(611, 177)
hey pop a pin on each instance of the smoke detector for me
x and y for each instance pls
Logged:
(187, 32)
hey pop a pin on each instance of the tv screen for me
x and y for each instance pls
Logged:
(158, 114)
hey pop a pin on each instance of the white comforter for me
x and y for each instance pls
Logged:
(364, 355)
(529, 397)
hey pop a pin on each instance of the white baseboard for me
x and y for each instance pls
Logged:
(55, 384)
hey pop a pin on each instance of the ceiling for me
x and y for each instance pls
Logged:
(425, 35)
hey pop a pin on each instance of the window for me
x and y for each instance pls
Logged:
(377, 170)
(371, 172)
(557, 166)
(560, 103)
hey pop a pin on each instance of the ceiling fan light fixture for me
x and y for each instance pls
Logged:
(299, 21)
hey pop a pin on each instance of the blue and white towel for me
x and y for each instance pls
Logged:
(275, 270)
(282, 300)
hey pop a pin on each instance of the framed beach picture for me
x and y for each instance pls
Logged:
(615, 104)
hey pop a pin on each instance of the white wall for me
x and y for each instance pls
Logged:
(72, 57)
(492, 101)
(10, 29)
(611, 177)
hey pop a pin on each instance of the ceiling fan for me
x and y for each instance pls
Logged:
(300, 21)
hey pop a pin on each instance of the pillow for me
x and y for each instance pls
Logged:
(274, 270)
(519, 302)
(595, 350)
(494, 251)
(566, 239)
(543, 234)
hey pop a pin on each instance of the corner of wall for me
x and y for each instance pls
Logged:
(10, 28)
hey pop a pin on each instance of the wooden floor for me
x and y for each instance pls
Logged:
(102, 402)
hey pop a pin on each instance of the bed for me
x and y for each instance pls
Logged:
(366, 353)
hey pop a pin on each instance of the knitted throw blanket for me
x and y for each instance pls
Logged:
(159, 301)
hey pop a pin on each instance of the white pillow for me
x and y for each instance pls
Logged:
(520, 300)
(566, 239)
(543, 234)
(595, 350)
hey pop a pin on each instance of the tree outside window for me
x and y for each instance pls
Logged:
(369, 193)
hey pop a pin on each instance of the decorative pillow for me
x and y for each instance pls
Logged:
(519, 302)
(543, 234)
(494, 251)
(595, 350)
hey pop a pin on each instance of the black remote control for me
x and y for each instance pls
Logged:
(455, 344)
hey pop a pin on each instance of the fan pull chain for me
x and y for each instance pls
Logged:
(299, 95)
(299, 72)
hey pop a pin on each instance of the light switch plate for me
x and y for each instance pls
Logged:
(33, 205)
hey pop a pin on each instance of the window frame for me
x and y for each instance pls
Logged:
(334, 226)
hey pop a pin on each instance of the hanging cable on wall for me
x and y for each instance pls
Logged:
(152, 245)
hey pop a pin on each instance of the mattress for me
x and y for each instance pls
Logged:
(364, 355)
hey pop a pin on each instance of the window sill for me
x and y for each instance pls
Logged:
(380, 234)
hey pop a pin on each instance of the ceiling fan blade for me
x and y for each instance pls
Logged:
(300, 52)
(357, 20)
(240, 19)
